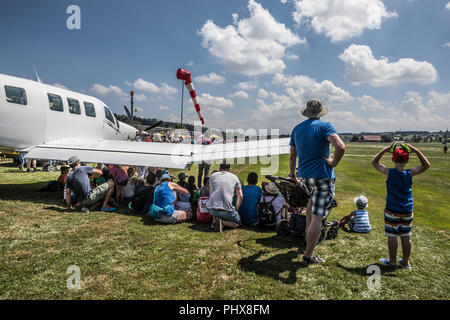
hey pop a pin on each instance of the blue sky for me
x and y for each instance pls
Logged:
(377, 64)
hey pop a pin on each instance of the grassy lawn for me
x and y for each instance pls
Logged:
(125, 256)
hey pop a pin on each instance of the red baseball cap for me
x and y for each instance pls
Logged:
(402, 153)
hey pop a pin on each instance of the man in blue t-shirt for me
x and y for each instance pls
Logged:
(310, 143)
(251, 195)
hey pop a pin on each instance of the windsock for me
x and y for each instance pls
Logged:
(186, 76)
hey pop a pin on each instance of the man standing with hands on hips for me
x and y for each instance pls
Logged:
(310, 142)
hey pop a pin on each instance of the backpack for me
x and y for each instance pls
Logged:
(142, 199)
(266, 212)
(203, 215)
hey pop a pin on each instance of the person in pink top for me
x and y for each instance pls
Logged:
(120, 180)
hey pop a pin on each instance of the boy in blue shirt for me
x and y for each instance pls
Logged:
(398, 213)
(358, 220)
(251, 195)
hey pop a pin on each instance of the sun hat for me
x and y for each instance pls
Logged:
(272, 188)
(314, 109)
(361, 201)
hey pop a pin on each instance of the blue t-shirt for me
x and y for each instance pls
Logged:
(78, 182)
(362, 223)
(247, 210)
(399, 197)
(310, 139)
(164, 197)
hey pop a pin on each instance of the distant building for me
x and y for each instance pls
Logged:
(372, 138)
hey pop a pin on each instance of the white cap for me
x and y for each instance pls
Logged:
(361, 201)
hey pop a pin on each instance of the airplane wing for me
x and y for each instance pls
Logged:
(154, 154)
(165, 155)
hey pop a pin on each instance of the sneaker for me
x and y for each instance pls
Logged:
(108, 209)
(403, 266)
(219, 225)
(34, 170)
(212, 225)
(386, 262)
(314, 259)
(85, 210)
(28, 170)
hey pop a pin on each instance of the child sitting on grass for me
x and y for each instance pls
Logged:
(358, 220)
(398, 213)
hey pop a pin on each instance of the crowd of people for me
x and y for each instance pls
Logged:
(222, 200)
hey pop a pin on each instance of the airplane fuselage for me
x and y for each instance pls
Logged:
(34, 113)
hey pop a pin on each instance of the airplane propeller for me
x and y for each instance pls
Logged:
(154, 125)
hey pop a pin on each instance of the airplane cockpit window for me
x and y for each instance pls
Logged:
(109, 115)
(90, 109)
(15, 95)
(74, 106)
(55, 102)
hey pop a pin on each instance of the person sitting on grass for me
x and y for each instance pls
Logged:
(271, 195)
(191, 187)
(57, 185)
(165, 196)
(398, 213)
(183, 200)
(223, 186)
(358, 220)
(78, 188)
(120, 179)
(251, 195)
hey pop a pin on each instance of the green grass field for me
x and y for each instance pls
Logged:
(125, 256)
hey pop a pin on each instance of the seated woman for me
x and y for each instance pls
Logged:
(165, 197)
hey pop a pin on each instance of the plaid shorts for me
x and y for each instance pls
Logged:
(397, 224)
(322, 194)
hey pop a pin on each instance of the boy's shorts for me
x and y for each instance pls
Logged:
(397, 224)
(322, 195)
(168, 219)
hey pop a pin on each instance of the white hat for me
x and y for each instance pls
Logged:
(272, 188)
(361, 201)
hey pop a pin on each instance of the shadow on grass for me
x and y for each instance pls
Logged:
(362, 271)
(274, 266)
(30, 192)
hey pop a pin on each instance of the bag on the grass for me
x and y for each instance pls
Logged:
(203, 215)
(266, 212)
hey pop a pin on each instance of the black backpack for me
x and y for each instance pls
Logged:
(266, 212)
(142, 199)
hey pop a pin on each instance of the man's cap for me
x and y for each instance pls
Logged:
(314, 109)
(73, 160)
(361, 201)
(182, 175)
(400, 153)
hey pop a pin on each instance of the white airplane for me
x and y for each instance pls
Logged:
(53, 123)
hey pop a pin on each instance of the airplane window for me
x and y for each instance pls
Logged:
(15, 95)
(90, 109)
(74, 106)
(55, 102)
(109, 115)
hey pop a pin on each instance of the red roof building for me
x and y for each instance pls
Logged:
(372, 138)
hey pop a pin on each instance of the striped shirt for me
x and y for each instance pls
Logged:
(362, 223)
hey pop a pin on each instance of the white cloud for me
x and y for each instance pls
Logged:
(141, 84)
(102, 90)
(249, 85)
(190, 63)
(303, 88)
(371, 104)
(447, 6)
(362, 67)
(140, 97)
(205, 99)
(252, 46)
(341, 19)
(447, 44)
(263, 94)
(161, 107)
(58, 85)
(239, 94)
(213, 78)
